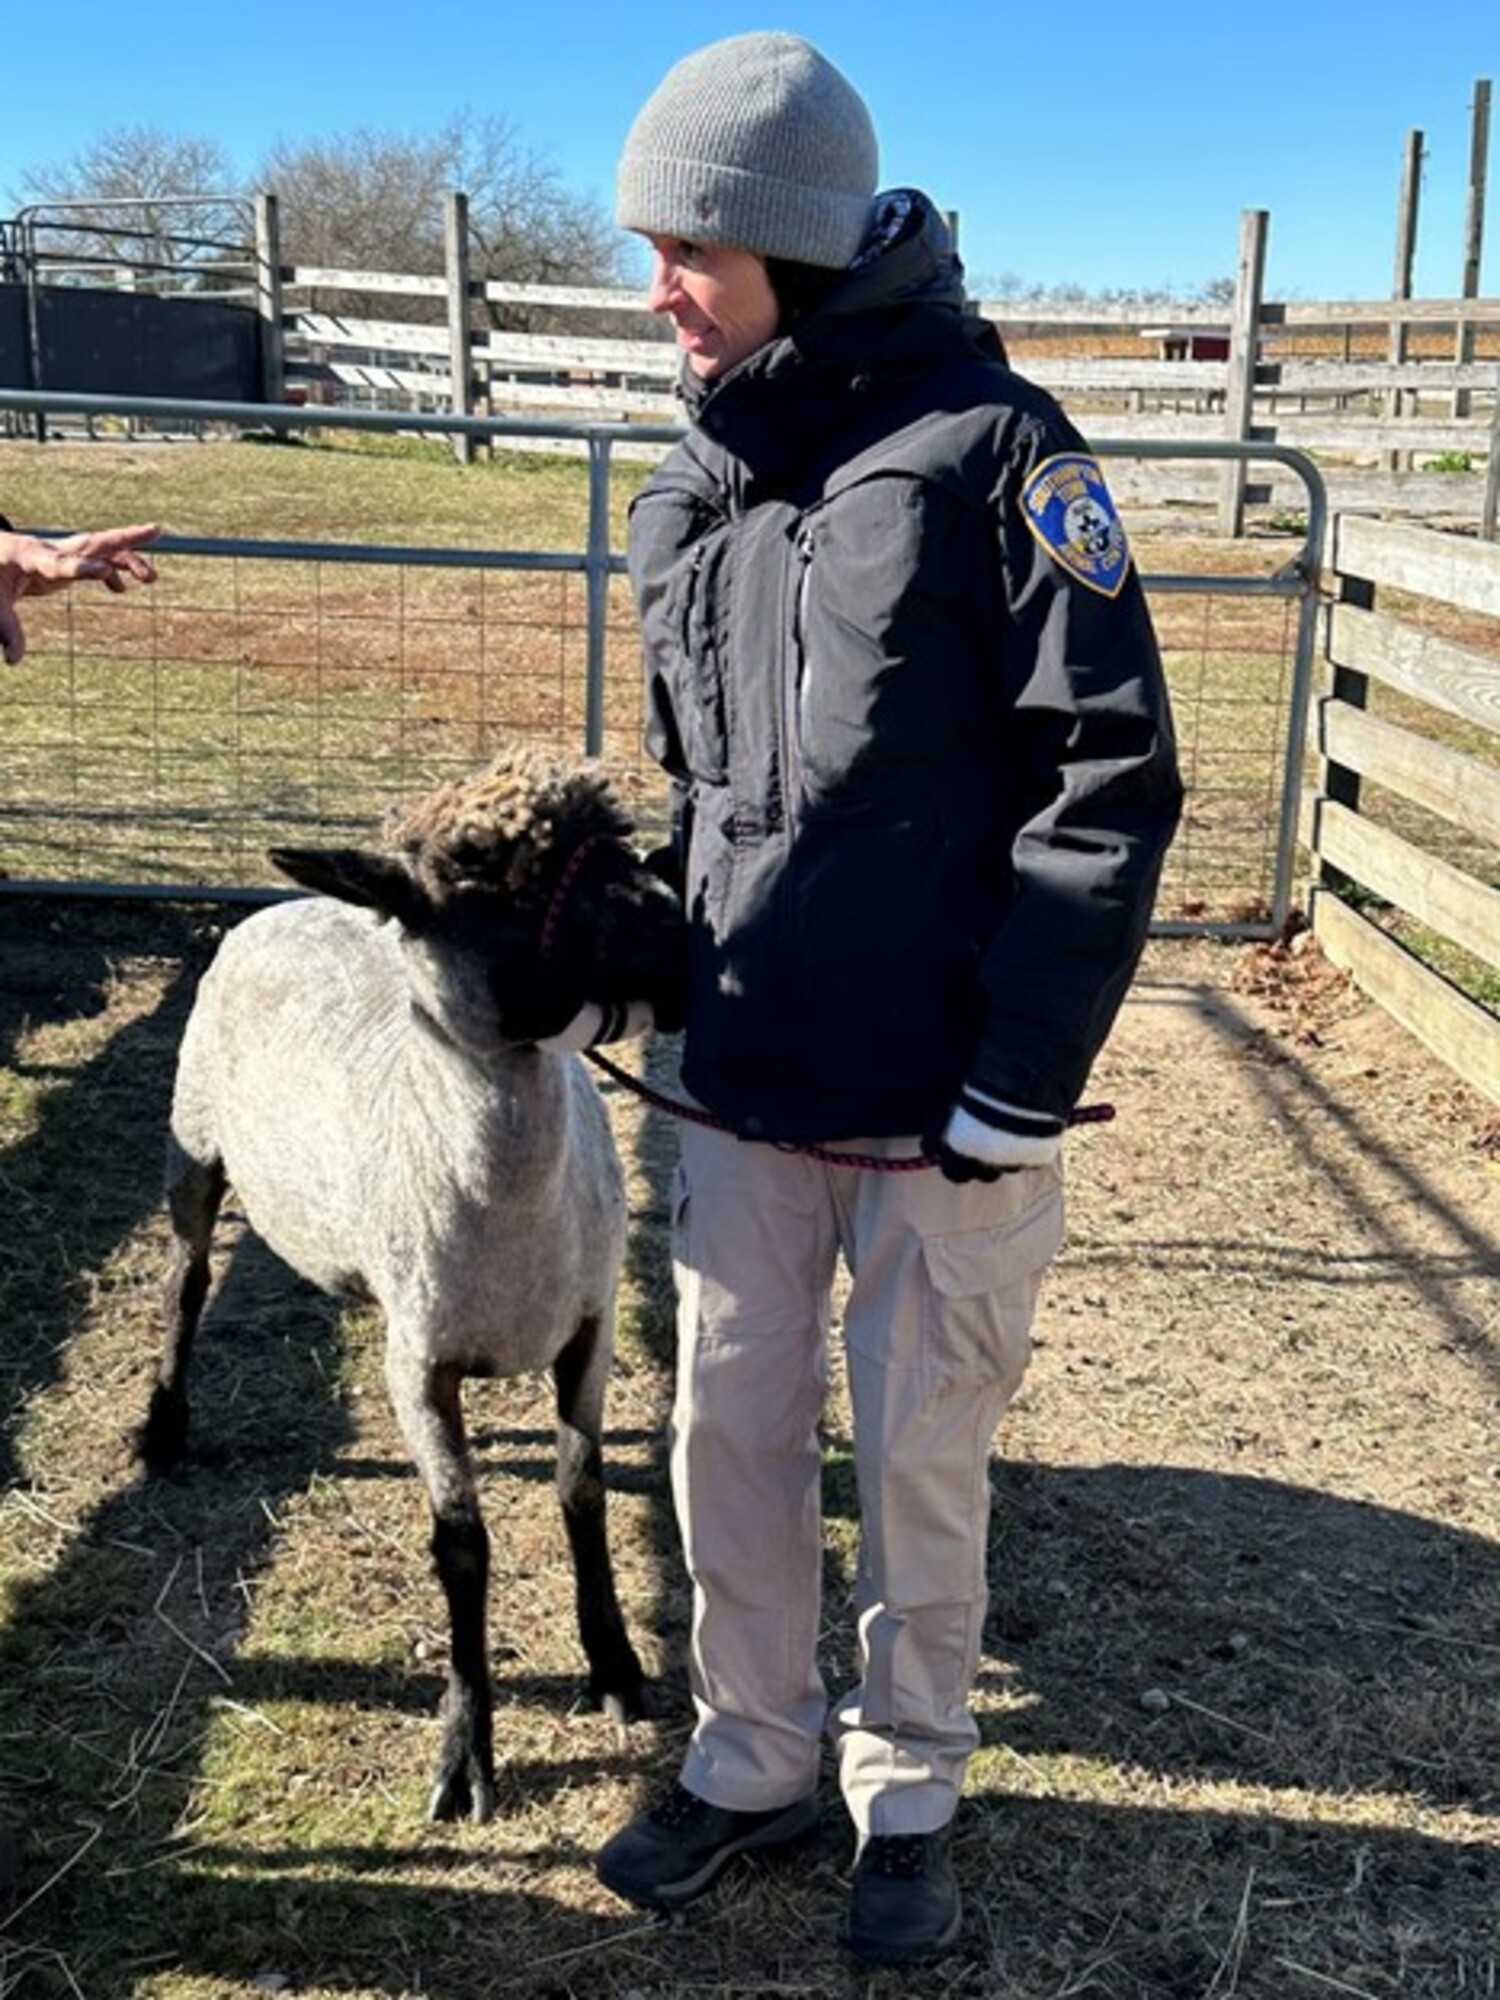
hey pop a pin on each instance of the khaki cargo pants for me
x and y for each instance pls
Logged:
(937, 1331)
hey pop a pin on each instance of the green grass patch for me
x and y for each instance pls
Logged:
(336, 488)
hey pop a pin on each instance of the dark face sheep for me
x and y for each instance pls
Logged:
(374, 1071)
(521, 880)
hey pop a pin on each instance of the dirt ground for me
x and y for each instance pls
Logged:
(1238, 1705)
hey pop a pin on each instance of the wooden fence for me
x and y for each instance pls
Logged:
(1404, 824)
(1398, 400)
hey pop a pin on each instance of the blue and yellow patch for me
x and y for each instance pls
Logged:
(1067, 506)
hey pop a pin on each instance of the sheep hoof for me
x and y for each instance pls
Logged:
(462, 1794)
(625, 1705)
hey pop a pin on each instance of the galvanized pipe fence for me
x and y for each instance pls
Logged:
(273, 690)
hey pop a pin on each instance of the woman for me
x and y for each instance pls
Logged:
(904, 682)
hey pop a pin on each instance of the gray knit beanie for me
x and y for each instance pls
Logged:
(756, 141)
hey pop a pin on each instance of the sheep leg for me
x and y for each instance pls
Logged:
(195, 1190)
(429, 1406)
(616, 1683)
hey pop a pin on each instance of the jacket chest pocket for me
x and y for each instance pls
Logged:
(698, 619)
(730, 642)
(890, 606)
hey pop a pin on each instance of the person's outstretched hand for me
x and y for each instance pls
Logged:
(34, 566)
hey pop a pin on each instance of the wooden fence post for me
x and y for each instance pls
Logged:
(1336, 781)
(1398, 401)
(1489, 512)
(268, 298)
(460, 345)
(1244, 348)
(1479, 146)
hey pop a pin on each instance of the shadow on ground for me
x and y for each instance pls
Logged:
(1226, 1649)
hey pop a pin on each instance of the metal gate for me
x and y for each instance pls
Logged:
(132, 297)
(272, 691)
(108, 341)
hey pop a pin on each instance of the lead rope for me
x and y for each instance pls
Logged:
(876, 1163)
(676, 1107)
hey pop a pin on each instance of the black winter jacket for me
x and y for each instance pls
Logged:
(923, 760)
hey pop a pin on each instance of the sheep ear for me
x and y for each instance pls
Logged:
(373, 881)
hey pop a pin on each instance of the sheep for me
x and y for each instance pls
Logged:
(384, 1072)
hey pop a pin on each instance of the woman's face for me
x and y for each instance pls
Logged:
(719, 299)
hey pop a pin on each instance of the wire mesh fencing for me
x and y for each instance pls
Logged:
(266, 692)
(164, 742)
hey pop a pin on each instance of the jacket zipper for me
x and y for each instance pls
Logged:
(793, 677)
(690, 595)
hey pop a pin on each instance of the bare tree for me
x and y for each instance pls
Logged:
(373, 201)
(164, 207)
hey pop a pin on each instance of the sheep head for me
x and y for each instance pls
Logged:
(519, 900)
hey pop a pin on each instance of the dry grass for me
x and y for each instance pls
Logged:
(172, 736)
(341, 488)
(1238, 1699)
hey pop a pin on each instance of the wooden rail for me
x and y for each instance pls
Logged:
(1387, 431)
(1367, 867)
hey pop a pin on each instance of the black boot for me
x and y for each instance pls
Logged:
(671, 1854)
(906, 1905)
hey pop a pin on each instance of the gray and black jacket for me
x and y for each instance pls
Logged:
(924, 772)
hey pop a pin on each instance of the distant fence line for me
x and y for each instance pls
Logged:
(1420, 432)
(1398, 399)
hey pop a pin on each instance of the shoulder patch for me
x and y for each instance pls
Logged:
(1067, 506)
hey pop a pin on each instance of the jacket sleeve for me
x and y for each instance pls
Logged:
(1090, 753)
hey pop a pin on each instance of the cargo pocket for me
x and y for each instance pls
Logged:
(678, 1213)
(982, 1291)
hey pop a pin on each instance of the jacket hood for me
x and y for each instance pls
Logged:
(907, 258)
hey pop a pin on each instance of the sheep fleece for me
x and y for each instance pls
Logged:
(473, 1199)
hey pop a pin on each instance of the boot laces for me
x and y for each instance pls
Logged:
(901, 1857)
(679, 1808)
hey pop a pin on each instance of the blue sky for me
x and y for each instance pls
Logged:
(1111, 146)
